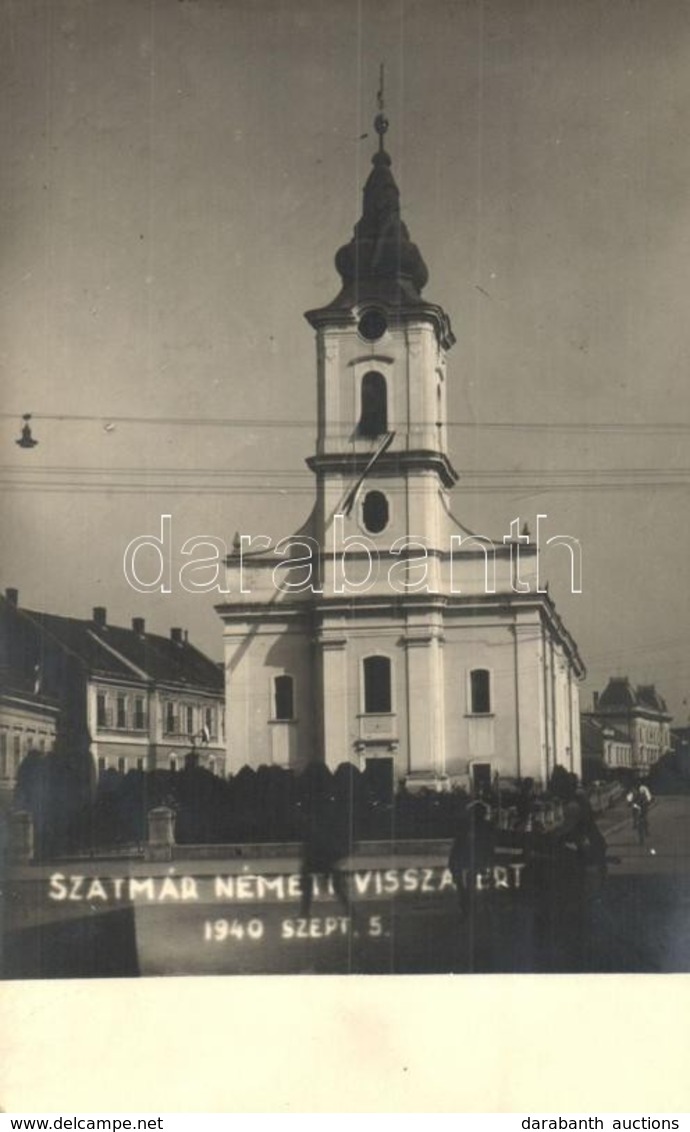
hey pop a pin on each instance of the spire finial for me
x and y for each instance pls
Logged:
(381, 121)
(381, 257)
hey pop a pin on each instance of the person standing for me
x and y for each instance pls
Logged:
(564, 901)
(472, 852)
(470, 864)
(326, 842)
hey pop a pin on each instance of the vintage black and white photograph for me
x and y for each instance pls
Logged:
(344, 620)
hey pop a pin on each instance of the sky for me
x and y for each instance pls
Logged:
(176, 178)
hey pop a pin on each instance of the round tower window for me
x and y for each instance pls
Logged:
(372, 325)
(375, 512)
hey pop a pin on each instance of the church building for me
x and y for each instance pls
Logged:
(384, 633)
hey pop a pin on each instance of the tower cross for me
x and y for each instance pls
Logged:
(381, 121)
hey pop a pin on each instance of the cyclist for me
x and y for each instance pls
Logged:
(639, 799)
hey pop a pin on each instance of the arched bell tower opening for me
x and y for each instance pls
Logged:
(373, 420)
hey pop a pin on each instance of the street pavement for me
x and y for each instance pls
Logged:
(228, 917)
(666, 851)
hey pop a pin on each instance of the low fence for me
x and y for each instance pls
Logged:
(161, 843)
(603, 797)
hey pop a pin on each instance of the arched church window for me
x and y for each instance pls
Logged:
(374, 408)
(377, 685)
(283, 698)
(375, 512)
(480, 691)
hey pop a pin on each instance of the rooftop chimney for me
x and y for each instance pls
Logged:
(176, 636)
(100, 616)
(12, 596)
(139, 625)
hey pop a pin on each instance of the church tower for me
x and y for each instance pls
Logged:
(382, 479)
(381, 456)
(384, 633)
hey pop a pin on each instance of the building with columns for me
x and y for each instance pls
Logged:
(384, 633)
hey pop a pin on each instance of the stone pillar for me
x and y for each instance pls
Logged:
(425, 705)
(161, 836)
(21, 838)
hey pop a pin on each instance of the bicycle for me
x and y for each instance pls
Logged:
(640, 823)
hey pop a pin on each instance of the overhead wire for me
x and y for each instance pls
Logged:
(509, 489)
(266, 422)
(478, 473)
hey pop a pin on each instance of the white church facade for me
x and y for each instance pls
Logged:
(383, 633)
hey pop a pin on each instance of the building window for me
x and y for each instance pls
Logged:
(122, 766)
(377, 685)
(480, 691)
(170, 717)
(173, 762)
(121, 712)
(212, 765)
(3, 754)
(101, 765)
(139, 714)
(372, 325)
(190, 721)
(375, 512)
(283, 698)
(101, 710)
(374, 408)
(16, 747)
(140, 764)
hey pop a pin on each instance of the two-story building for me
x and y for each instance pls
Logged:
(134, 699)
(641, 715)
(28, 722)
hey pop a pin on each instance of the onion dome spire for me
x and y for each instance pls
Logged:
(381, 250)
